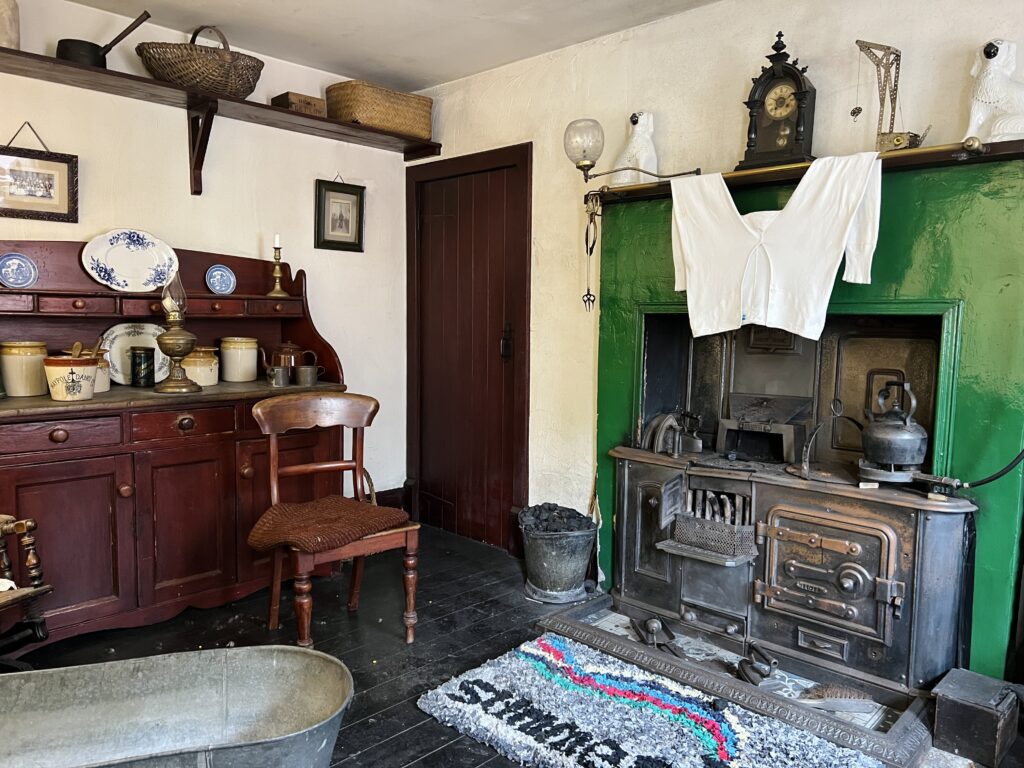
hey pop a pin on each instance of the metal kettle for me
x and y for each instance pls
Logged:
(892, 437)
(287, 355)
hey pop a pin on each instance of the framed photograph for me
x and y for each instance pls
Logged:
(38, 185)
(339, 216)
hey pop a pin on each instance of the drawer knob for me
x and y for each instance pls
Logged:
(59, 435)
(279, 307)
(216, 306)
(689, 616)
(155, 307)
(185, 423)
(125, 491)
(731, 629)
(247, 471)
(78, 303)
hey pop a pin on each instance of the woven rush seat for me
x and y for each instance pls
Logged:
(321, 525)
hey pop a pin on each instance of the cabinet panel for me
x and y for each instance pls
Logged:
(85, 534)
(187, 542)
(254, 488)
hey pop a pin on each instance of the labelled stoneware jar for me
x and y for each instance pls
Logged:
(202, 366)
(21, 364)
(238, 358)
(71, 379)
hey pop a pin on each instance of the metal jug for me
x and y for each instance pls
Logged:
(893, 437)
(287, 355)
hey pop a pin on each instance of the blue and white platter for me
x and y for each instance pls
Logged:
(220, 279)
(119, 340)
(17, 270)
(129, 260)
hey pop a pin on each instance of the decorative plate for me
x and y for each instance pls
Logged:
(129, 260)
(119, 339)
(220, 279)
(17, 270)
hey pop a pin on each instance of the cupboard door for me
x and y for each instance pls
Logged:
(254, 488)
(187, 541)
(85, 516)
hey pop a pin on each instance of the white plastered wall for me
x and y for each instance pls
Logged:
(133, 169)
(693, 72)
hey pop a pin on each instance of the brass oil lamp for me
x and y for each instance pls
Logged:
(176, 342)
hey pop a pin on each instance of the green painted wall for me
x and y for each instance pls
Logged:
(950, 237)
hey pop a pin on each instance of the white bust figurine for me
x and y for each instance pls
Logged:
(639, 152)
(997, 100)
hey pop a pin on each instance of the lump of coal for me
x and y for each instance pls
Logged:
(551, 518)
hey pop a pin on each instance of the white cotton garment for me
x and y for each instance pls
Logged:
(775, 268)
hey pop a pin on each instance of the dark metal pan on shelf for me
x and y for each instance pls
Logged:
(93, 54)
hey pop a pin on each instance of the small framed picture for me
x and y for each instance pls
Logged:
(339, 216)
(38, 185)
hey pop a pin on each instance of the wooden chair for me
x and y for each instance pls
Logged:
(331, 528)
(32, 626)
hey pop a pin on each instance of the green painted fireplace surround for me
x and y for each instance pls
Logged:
(951, 244)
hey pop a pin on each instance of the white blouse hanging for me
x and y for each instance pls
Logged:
(775, 268)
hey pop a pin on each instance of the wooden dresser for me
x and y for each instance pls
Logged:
(144, 500)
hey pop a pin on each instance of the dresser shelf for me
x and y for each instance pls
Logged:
(201, 108)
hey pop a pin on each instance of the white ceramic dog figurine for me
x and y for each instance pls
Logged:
(997, 101)
(639, 151)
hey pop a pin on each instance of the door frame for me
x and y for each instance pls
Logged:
(520, 158)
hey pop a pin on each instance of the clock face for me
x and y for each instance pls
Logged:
(780, 102)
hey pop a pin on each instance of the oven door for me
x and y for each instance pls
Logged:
(831, 569)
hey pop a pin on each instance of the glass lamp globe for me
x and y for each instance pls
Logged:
(584, 142)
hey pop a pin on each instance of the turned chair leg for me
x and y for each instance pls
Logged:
(356, 582)
(303, 600)
(409, 578)
(274, 621)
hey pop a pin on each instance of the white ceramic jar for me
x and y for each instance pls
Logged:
(202, 366)
(21, 365)
(71, 379)
(102, 375)
(238, 358)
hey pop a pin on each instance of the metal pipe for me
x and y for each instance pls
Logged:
(587, 175)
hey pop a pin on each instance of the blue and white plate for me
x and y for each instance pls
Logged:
(129, 260)
(220, 279)
(17, 270)
(119, 340)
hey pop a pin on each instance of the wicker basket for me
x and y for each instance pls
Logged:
(202, 67)
(300, 102)
(355, 101)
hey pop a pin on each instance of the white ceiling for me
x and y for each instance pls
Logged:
(406, 44)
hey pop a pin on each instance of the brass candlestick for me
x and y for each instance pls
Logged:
(277, 289)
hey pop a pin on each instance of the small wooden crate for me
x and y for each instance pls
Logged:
(299, 102)
(355, 101)
(975, 716)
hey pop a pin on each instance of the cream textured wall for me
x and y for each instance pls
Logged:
(257, 181)
(693, 71)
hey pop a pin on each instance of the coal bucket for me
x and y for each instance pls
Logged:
(557, 563)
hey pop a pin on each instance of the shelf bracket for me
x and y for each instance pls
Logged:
(200, 122)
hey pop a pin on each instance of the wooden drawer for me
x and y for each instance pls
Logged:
(69, 305)
(186, 422)
(286, 307)
(16, 302)
(141, 307)
(215, 307)
(54, 435)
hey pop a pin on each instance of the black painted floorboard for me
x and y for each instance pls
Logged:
(471, 608)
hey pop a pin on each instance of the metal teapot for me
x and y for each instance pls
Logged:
(286, 355)
(893, 437)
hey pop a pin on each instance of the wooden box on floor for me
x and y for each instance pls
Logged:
(975, 716)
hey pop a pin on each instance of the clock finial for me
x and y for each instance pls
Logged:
(778, 46)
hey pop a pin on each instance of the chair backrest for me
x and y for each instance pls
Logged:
(306, 410)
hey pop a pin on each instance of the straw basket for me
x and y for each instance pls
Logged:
(355, 101)
(202, 67)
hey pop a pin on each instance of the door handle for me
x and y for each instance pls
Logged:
(505, 346)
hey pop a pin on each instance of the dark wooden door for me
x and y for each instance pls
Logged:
(469, 267)
(187, 544)
(85, 513)
(252, 460)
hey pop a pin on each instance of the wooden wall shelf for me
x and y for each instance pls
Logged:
(902, 160)
(201, 108)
